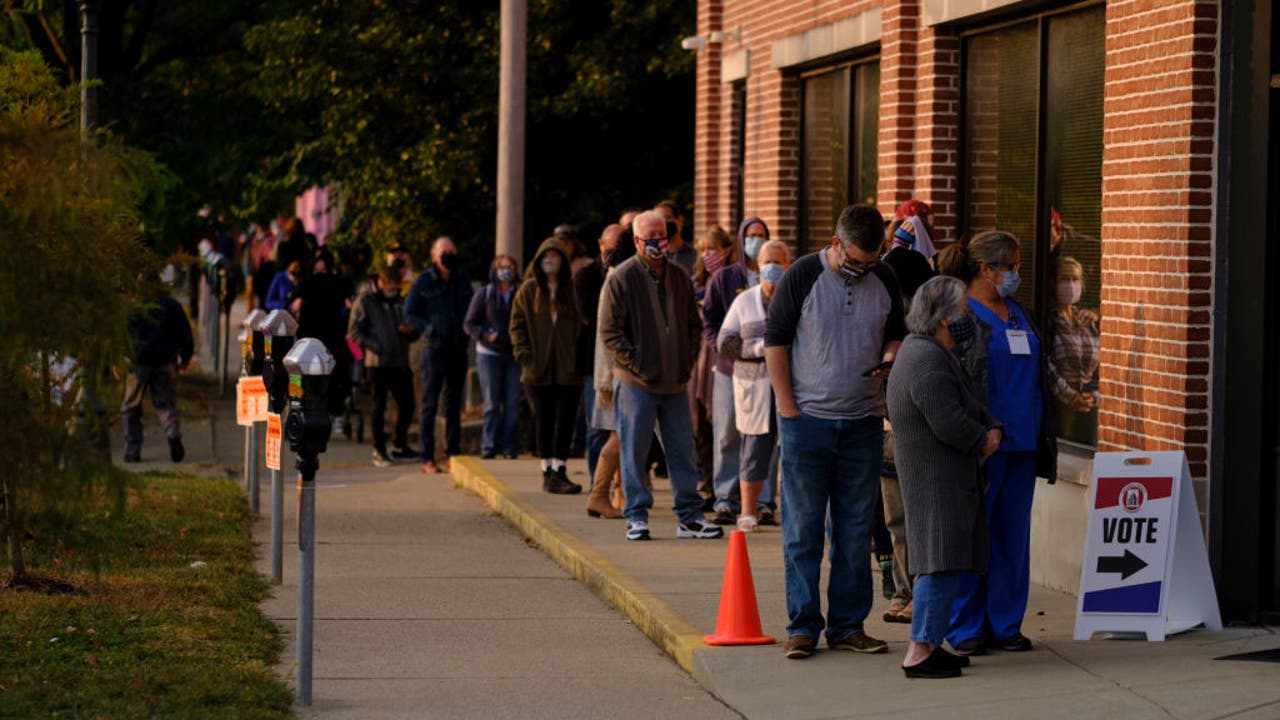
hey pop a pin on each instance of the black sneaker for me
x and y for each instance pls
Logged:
(766, 516)
(725, 517)
(887, 587)
(638, 530)
(133, 457)
(403, 452)
(488, 455)
(176, 451)
(557, 483)
(699, 529)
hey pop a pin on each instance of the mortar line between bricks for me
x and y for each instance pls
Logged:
(651, 614)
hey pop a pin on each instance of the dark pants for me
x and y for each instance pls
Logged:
(399, 383)
(442, 368)
(157, 380)
(554, 408)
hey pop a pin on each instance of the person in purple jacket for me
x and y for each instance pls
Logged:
(725, 286)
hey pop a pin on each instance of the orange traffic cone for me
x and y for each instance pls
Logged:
(738, 622)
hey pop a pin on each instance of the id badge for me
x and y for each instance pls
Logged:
(1018, 342)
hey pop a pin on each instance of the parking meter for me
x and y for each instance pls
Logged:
(309, 364)
(252, 343)
(278, 330)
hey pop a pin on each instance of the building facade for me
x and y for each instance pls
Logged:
(1129, 140)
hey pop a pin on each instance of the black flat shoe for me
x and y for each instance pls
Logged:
(934, 667)
(957, 660)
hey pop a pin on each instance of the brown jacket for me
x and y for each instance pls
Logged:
(650, 352)
(546, 349)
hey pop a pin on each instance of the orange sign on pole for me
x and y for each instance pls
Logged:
(273, 442)
(251, 401)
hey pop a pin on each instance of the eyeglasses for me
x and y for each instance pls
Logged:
(1011, 267)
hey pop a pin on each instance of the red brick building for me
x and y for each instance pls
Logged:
(1144, 125)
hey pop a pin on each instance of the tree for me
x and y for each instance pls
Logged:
(70, 251)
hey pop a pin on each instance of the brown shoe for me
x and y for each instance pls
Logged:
(598, 505)
(799, 647)
(859, 642)
(893, 614)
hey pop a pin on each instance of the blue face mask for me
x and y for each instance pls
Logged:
(772, 273)
(906, 237)
(655, 248)
(751, 247)
(1009, 281)
(506, 274)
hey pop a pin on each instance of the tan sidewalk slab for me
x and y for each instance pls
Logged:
(670, 589)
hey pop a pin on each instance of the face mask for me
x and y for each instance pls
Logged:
(852, 269)
(449, 260)
(771, 273)
(752, 245)
(906, 237)
(1069, 292)
(655, 248)
(506, 274)
(962, 330)
(712, 261)
(391, 294)
(551, 265)
(1009, 281)
(607, 256)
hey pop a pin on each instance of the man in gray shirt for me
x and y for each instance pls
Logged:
(835, 316)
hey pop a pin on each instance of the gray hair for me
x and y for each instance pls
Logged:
(937, 301)
(777, 245)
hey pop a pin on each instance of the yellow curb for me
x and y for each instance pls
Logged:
(648, 612)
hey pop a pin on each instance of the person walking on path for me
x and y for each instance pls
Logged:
(488, 322)
(164, 346)
(1006, 367)
(377, 324)
(544, 339)
(650, 325)
(742, 338)
(835, 316)
(942, 431)
(436, 306)
(724, 287)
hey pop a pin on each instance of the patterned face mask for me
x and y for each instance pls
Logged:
(963, 330)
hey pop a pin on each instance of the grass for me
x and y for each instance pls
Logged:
(144, 634)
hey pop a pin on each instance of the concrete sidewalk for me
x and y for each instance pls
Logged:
(670, 590)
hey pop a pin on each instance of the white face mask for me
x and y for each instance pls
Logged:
(551, 266)
(1069, 292)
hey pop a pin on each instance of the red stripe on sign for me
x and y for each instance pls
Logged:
(1110, 491)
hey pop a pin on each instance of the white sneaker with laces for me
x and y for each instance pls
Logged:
(700, 529)
(637, 530)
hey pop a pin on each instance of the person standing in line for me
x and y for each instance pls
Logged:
(942, 432)
(650, 325)
(742, 338)
(488, 322)
(723, 289)
(615, 247)
(163, 348)
(1007, 369)
(322, 304)
(544, 340)
(436, 306)
(834, 322)
(377, 324)
(588, 280)
(715, 250)
(678, 251)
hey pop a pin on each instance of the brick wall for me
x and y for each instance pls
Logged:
(1157, 227)
(899, 44)
(709, 178)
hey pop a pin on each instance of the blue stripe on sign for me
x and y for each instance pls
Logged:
(1144, 598)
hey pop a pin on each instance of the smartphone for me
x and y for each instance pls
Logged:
(882, 366)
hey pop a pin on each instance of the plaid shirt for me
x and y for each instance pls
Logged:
(1075, 356)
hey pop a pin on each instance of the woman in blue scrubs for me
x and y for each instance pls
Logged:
(1004, 359)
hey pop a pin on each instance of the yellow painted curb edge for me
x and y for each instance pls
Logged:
(648, 612)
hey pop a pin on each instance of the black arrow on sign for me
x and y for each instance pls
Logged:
(1126, 565)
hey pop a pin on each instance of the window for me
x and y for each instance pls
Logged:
(1033, 166)
(737, 152)
(838, 160)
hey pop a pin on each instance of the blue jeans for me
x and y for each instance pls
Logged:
(991, 606)
(443, 368)
(636, 412)
(933, 596)
(595, 438)
(500, 385)
(728, 444)
(835, 464)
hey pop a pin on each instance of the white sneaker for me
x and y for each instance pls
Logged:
(748, 523)
(700, 529)
(638, 530)
(338, 427)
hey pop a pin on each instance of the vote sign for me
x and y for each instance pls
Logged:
(1145, 567)
(273, 442)
(251, 400)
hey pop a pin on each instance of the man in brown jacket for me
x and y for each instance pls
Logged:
(649, 323)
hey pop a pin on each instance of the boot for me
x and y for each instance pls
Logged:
(556, 483)
(616, 498)
(599, 505)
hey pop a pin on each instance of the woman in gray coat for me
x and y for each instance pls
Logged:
(942, 432)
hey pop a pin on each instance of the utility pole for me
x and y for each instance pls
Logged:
(88, 64)
(511, 125)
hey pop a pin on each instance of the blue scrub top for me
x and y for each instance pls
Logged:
(1013, 381)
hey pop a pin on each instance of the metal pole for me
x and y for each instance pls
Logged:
(251, 463)
(88, 64)
(277, 528)
(306, 571)
(511, 126)
(226, 348)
